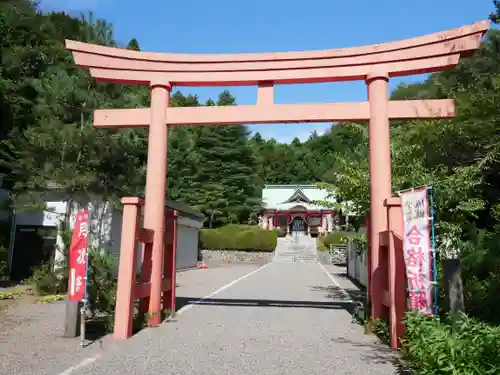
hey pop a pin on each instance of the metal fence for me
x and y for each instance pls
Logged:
(337, 254)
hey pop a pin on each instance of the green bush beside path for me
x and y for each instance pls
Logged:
(239, 238)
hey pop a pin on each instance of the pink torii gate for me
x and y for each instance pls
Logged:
(374, 64)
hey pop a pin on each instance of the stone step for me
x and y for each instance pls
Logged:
(298, 257)
(295, 250)
(294, 261)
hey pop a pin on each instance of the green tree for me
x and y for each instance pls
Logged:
(224, 184)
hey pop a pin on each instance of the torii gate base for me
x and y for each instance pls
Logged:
(373, 64)
(129, 290)
(390, 273)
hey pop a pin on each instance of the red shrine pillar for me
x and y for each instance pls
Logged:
(154, 209)
(380, 180)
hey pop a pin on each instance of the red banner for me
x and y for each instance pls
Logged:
(78, 257)
(417, 249)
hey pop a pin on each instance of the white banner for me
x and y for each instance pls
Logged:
(417, 249)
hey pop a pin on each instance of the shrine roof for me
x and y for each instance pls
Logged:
(285, 197)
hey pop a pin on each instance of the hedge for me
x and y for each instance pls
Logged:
(239, 237)
(332, 238)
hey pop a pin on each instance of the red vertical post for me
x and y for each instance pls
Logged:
(380, 178)
(397, 282)
(125, 294)
(368, 257)
(167, 261)
(156, 175)
(145, 274)
(169, 270)
(173, 269)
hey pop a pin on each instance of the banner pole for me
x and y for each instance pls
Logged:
(433, 244)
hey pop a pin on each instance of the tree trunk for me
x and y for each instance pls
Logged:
(454, 287)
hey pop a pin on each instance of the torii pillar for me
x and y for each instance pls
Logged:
(380, 179)
(154, 209)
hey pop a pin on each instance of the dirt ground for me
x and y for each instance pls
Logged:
(9, 317)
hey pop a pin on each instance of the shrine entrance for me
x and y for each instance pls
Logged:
(374, 65)
(298, 226)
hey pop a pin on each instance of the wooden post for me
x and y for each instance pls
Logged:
(397, 282)
(125, 294)
(169, 270)
(454, 286)
(72, 319)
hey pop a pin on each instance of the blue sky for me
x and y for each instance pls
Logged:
(231, 26)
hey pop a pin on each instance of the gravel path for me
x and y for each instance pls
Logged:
(31, 341)
(286, 318)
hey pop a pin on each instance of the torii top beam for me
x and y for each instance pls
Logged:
(423, 54)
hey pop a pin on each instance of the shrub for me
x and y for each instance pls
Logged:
(334, 238)
(101, 287)
(48, 279)
(480, 268)
(239, 237)
(321, 245)
(102, 283)
(46, 282)
(280, 232)
(434, 346)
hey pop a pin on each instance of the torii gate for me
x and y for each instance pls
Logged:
(374, 64)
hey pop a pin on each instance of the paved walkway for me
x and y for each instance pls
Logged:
(283, 318)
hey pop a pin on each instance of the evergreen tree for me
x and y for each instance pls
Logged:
(225, 183)
(133, 44)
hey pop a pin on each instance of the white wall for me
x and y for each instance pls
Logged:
(105, 229)
(357, 267)
(187, 241)
(188, 232)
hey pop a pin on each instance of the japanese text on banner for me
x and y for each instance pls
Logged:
(78, 257)
(417, 249)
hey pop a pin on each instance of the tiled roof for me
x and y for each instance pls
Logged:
(285, 197)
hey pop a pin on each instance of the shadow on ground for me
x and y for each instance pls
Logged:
(356, 283)
(336, 293)
(377, 353)
(183, 301)
(9, 284)
(96, 330)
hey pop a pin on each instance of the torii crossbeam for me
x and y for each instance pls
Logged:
(274, 113)
(374, 64)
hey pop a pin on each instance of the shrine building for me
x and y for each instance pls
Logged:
(292, 208)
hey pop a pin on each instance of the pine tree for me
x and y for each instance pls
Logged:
(133, 44)
(182, 153)
(225, 186)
